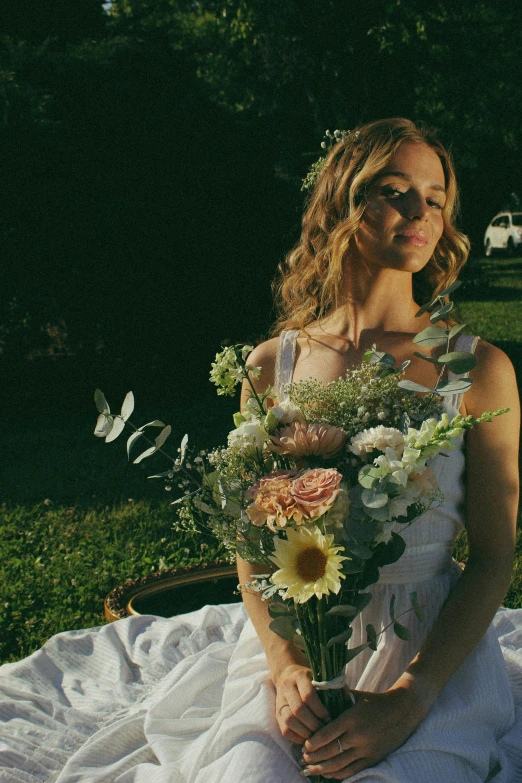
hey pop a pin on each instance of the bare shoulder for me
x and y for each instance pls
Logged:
(264, 356)
(494, 381)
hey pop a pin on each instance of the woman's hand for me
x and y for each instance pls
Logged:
(299, 710)
(376, 725)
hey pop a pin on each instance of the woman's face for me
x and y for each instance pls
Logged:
(402, 221)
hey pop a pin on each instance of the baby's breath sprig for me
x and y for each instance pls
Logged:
(330, 139)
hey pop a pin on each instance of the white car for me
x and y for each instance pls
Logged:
(504, 233)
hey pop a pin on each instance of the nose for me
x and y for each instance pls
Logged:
(416, 208)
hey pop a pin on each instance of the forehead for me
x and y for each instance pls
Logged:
(418, 161)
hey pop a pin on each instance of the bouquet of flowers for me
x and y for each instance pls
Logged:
(316, 487)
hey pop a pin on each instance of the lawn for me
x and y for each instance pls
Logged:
(77, 519)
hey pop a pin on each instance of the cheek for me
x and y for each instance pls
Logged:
(374, 221)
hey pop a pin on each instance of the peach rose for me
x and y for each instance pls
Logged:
(274, 504)
(302, 440)
(316, 490)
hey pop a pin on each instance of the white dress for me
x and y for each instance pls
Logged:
(189, 699)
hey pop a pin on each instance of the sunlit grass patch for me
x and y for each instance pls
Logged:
(58, 563)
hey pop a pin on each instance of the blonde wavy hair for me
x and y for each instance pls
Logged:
(310, 278)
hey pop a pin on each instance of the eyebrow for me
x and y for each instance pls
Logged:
(408, 178)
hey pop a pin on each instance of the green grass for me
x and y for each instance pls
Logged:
(78, 519)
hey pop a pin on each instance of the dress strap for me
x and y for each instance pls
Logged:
(285, 358)
(464, 342)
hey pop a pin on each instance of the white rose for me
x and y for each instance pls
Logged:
(250, 435)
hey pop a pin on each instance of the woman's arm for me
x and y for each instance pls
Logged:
(491, 509)
(288, 666)
(382, 722)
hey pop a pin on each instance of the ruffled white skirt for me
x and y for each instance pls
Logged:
(189, 700)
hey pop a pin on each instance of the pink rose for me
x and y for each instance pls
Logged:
(302, 440)
(316, 490)
(274, 504)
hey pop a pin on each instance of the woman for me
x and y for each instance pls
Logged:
(382, 211)
(211, 696)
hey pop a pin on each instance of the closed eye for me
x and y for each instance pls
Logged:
(391, 192)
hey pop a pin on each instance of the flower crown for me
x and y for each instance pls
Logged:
(330, 140)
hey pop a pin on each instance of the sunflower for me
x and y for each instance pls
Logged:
(309, 564)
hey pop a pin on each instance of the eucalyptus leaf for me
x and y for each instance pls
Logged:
(128, 406)
(403, 366)
(205, 507)
(354, 652)
(155, 423)
(101, 402)
(456, 329)
(388, 553)
(278, 609)
(165, 474)
(162, 437)
(392, 607)
(283, 627)
(117, 428)
(183, 448)
(373, 499)
(431, 336)
(416, 608)
(103, 426)
(425, 308)
(361, 530)
(459, 361)
(298, 640)
(352, 567)
(379, 514)
(371, 635)
(401, 631)
(439, 314)
(426, 358)
(359, 550)
(404, 423)
(145, 454)
(414, 387)
(452, 387)
(343, 610)
(341, 638)
(368, 475)
(451, 288)
(362, 600)
(133, 438)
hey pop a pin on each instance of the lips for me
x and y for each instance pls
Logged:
(416, 238)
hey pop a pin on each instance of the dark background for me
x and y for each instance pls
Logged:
(151, 156)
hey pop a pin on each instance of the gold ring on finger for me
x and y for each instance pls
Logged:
(340, 746)
(282, 708)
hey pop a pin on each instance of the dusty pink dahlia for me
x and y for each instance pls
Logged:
(302, 440)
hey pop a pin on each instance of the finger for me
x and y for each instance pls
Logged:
(328, 733)
(311, 699)
(339, 762)
(348, 771)
(327, 751)
(303, 713)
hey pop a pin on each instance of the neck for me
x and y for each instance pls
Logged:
(373, 301)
